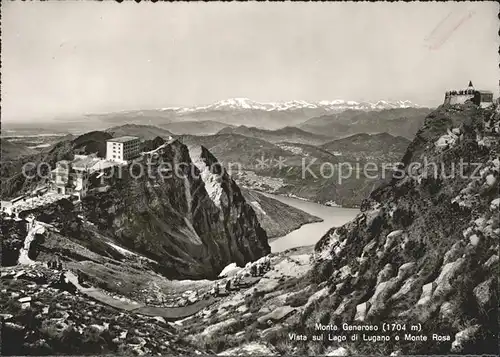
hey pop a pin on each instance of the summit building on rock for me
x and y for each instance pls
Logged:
(481, 98)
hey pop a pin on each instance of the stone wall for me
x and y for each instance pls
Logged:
(460, 98)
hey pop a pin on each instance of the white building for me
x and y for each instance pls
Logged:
(123, 148)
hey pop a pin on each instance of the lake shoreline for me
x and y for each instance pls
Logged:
(272, 239)
(310, 233)
(284, 195)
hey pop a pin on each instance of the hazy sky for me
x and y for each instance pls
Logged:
(65, 58)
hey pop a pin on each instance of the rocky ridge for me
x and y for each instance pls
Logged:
(425, 247)
(193, 221)
(424, 250)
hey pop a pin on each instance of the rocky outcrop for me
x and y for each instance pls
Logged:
(250, 349)
(175, 206)
(436, 228)
(42, 319)
(485, 293)
(12, 234)
(276, 316)
(277, 218)
(464, 337)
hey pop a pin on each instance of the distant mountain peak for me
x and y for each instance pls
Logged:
(239, 103)
(328, 106)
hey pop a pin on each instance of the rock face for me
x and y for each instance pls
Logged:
(277, 315)
(175, 206)
(277, 218)
(436, 229)
(250, 349)
(485, 292)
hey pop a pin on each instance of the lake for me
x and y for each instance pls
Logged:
(310, 233)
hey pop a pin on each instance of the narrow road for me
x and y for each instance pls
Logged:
(168, 313)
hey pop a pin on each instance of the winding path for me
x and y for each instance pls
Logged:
(34, 228)
(168, 313)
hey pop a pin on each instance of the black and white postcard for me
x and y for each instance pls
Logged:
(249, 178)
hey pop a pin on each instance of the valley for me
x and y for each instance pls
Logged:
(121, 278)
(315, 153)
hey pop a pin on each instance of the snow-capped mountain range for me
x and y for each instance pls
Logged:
(328, 106)
(243, 111)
